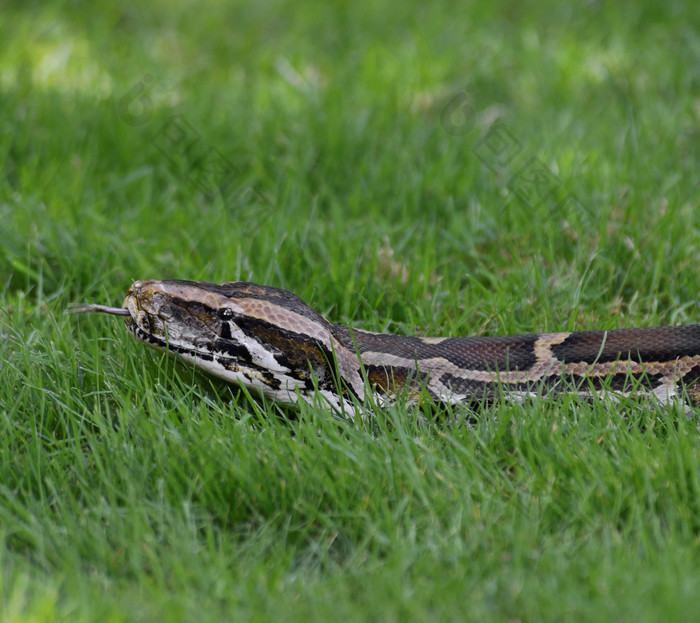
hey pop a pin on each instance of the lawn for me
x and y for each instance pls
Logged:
(421, 168)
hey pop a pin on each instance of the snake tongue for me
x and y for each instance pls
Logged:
(76, 308)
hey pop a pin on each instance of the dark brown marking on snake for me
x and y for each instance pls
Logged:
(486, 390)
(617, 382)
(500, 352)
(642, 344)
(306, 357)
(232, 351)
(390, 379)
(225, 331)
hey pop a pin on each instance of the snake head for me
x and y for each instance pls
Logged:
(263, 337)
(177, 314)
(195, 313)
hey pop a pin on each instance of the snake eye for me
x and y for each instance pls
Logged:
(225, 313)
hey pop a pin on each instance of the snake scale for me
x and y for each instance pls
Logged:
(268, 339)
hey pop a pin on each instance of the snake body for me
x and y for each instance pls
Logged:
(268, 339)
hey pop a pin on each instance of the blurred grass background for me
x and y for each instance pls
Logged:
(334, 150)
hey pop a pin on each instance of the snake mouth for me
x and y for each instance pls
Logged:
(143, 336)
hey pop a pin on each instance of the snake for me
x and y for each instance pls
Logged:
(270, 341)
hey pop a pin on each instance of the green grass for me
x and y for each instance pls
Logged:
(133, 490)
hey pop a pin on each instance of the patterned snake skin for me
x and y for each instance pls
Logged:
(269, 340)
